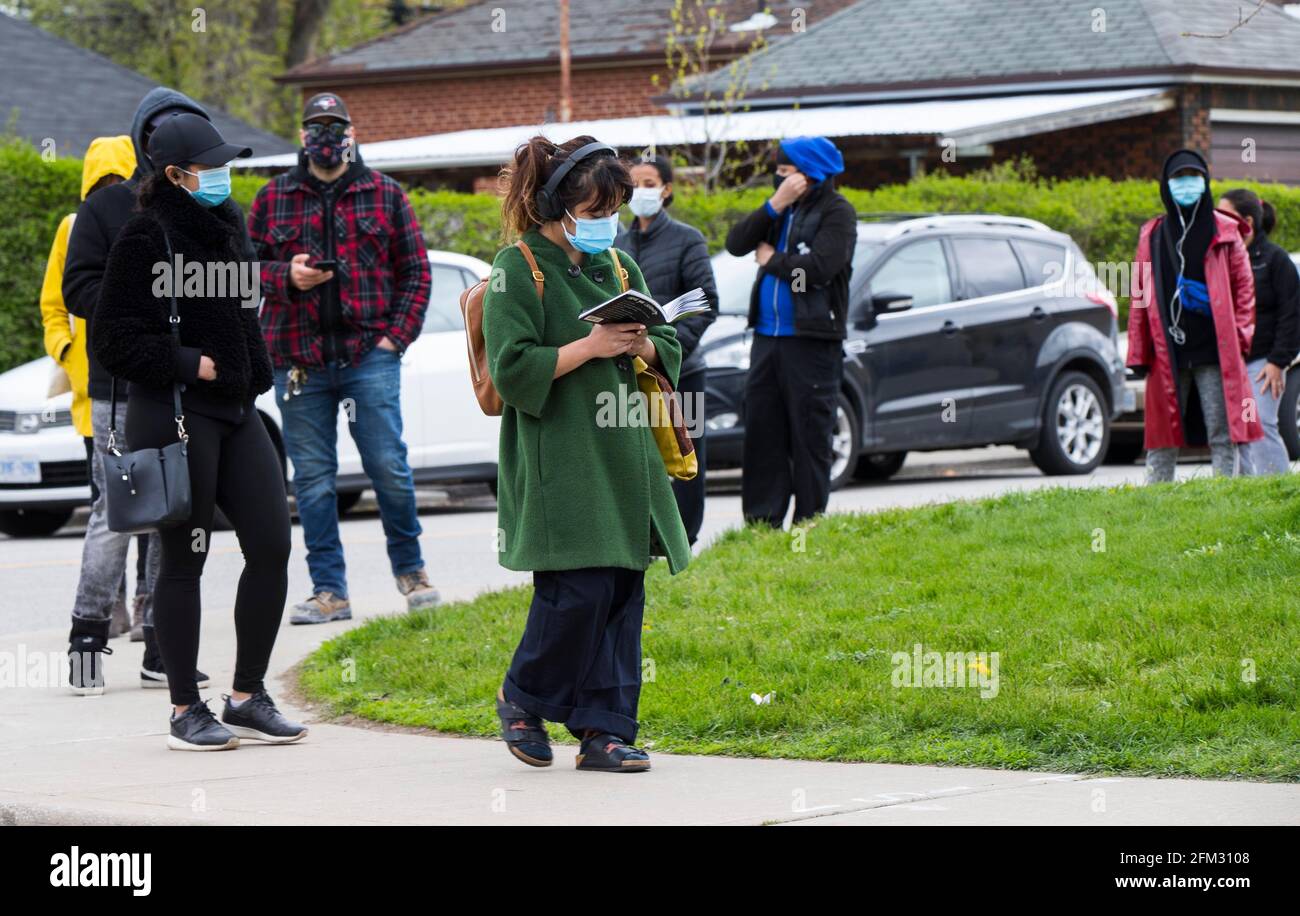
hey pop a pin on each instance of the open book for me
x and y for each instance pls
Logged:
(635, 306)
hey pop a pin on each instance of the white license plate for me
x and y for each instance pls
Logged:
(20, 470)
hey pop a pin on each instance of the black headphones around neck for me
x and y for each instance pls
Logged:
(549, 206)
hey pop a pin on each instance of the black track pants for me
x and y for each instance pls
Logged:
(790, 396)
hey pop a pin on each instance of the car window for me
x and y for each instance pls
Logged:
(446, 285)
(920, 270)
(1044, 263)
(988, 266)
(863, 252)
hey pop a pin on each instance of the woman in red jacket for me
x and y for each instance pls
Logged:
(1190, 324)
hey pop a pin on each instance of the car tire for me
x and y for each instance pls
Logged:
(348, 501)
(33, 523)
(1123, 452)
(880, 466)
(1076, 427)
(845, 438)
(492, 485)
(1288, 415)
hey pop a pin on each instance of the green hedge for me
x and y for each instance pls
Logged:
(1103, 216)
(35, 195)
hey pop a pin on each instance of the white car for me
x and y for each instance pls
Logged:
(448, 439)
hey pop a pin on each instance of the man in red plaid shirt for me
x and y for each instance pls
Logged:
(346, 281)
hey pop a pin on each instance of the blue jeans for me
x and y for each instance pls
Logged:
(1267, 455)
(372, 390)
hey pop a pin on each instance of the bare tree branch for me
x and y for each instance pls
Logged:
(1240, 22)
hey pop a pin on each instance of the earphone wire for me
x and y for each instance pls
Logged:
(1176, 301)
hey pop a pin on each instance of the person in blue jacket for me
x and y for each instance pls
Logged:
(802, 238)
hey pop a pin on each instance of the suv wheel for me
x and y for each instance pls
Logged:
(844, 442)
(1076, 427)
(880, 466)
(33, 523)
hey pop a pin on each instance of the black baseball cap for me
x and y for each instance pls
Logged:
(325, 105)
(189, 138)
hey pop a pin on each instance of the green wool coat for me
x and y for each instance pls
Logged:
(573, 489)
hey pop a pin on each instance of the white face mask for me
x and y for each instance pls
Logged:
(646, 202)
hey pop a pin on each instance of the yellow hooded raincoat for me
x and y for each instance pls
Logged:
(65, 337)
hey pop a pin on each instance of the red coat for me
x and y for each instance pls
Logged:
(1232, 303)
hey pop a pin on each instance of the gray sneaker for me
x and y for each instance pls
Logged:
(322, 607)
(419, 593)
(120, 620)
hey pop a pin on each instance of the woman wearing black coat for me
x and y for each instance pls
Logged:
(1277, 330)
(674, 259)
(220, 364)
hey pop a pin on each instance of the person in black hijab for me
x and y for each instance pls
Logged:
(1190, 326)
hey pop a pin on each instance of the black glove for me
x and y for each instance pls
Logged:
(1139, 372)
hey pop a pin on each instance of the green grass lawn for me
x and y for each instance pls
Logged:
(1175, 650)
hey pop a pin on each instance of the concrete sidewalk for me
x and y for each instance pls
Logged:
(66, 759)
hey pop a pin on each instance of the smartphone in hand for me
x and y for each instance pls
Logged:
(330, 264)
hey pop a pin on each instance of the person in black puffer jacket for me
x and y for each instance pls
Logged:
(674, 259)
(219, 364)
(1277, 330)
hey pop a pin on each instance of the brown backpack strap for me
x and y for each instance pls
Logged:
(618, 268)
(538, 277)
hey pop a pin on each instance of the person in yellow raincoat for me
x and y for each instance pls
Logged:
(108, 160)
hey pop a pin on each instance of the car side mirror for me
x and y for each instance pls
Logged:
(891, 301)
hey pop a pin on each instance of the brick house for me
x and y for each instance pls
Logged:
(901, 85)
(496, 64)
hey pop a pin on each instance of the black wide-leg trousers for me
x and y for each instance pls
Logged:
(579, 661)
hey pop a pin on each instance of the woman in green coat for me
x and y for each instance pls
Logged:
(583, 499)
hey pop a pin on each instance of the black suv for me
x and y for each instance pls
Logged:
(964, 331)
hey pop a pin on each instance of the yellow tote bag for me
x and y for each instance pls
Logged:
(675, 445)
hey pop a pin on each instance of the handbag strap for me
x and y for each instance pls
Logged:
(174, 319)
(538, 277)
(619, 269)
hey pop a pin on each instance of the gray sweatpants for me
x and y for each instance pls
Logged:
(103, 552)
(1223, 453)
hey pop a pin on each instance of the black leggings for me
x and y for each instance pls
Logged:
(234, 466)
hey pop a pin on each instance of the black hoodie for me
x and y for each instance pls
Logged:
(1201, 344)
(101, 217)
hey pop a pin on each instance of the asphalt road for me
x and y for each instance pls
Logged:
(39, 575)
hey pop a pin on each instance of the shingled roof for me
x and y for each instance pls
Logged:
(513, 33)
(891, 47)
(61, 92)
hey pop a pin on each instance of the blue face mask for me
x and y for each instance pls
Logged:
(214, 185)
(1186, 189)
(593, 235)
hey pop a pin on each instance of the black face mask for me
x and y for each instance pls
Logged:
(776, 181)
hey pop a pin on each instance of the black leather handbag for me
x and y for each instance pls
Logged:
(148, 489)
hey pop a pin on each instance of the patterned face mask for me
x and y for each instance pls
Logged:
(325, 151)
